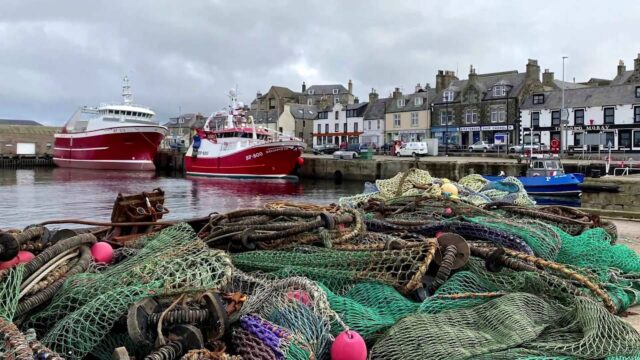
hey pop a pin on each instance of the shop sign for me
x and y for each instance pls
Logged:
(587, 128)
(487, 128)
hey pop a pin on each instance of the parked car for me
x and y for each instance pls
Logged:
(482, 146)
(412, 149)
(325, 149)
(522, 148)
(442, 147)
(358, 148)
(345, 154)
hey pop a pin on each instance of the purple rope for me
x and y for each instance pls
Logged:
(270, 334)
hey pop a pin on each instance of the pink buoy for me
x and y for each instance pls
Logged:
(10, 263)
(448, 212)
(102, 252)
(25, 256)
(349, 345)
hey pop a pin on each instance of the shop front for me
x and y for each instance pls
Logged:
(473, 134)
(450, 133)
(407, 135)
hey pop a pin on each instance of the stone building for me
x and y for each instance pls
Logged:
(181, 129)
(325, 96)
(408, 117)
(374, 122)
(482, 106)
(13, 132)
(267, 108)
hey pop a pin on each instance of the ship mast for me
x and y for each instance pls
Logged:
(126, 91)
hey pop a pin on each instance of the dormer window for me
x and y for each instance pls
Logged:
(335, 91)
(418, 101)
(400, 102)
(447, 96)
(499, 90)
(538, 99)
(638, 91)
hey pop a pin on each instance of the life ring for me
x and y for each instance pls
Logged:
(555, 143)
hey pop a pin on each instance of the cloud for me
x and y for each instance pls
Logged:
(57, 56)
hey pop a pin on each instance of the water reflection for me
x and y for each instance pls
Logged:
(35, 195)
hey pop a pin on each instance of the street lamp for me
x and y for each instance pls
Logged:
(446, 132)
(564, 118)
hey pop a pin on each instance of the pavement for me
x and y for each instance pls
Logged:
(629, 234)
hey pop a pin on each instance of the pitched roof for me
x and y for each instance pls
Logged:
(303, 112)
(409, 101)
(327, 89)
(191, 120)
(586, 97)
(19, 122)
(486, 81)
(282, 91)
(569, 85)
(356, 106)
(622, 78)
(376, 109)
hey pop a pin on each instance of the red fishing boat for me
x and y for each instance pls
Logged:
(235, 147)
(118, 137)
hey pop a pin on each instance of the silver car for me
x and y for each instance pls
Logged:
(481, 146)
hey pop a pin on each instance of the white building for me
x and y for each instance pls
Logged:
(598, 116)
(373, 118)
(340, 124)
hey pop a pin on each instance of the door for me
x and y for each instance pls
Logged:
(476, 136)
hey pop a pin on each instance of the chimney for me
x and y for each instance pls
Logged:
(444, 79)
(533, 70)
(397, 93)
(636, 64)
(258, 94)
(356, 100)
(304, 87)
(418, 87)
(427, 86)
(373, 96)
(621, 68)
(472, 74)
(547, 78)
(350, 87)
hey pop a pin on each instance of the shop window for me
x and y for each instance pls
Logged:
(609, 138)
(624, 139)
(636, 139)
(577, 139)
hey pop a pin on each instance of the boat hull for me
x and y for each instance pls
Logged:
(269, 160)
(561, 185)
(121, 148)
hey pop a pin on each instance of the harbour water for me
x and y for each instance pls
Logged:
(35, 195)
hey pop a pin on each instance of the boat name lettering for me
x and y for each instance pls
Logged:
(274, 149)
(254, 156)
(204, 153)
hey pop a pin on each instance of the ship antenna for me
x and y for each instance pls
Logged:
(126, 91)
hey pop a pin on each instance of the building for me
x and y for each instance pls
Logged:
(297, 120)
(408, 117)
(484, 105)
(340, 124)
(266, 109)
(374, 121)
(181, 130)
(325, 96)
(597, 115)
(13, 132)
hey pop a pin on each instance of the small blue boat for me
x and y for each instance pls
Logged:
(545, 176)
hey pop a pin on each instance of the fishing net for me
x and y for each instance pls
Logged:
(173, 261)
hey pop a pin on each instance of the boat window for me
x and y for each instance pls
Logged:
(553, 164)
(538, 165)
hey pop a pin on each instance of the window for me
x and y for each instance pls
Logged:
(471, 116)
(535, 119)
(300, 135)
(309, 101)
(396, 120)
(335, 91)
(609, 114)
(446, 117)
(636, 114)
(638, 91)
(609, 139)
(344, 126)
(578, 117)
(319, 128)
(400, 102)
(555, 117)
(310, 92)
(337, 127)
(538, 99)
(636, 139)
(577, 139)
(624, 139)
(499, 90)
(369, 124)
(326, 128)
(498, 114)
(128, 113)
(336, 99)
(378, 124)
(447, 96)
(355, 127)
(336, 115)
(414, 119)
(272, 103)
(418, 101)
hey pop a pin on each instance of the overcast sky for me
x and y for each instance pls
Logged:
(58, 55)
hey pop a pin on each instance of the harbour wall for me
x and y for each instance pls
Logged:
(617, 196)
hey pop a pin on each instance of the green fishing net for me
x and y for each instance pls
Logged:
(173, 261)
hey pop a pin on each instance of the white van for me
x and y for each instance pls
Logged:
(413, 149)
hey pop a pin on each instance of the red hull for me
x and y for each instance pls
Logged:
(124, 148)
(258, 161)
